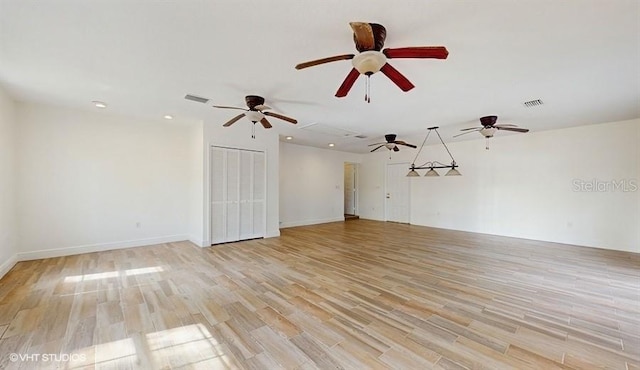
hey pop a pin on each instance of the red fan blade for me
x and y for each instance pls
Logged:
(265, 123)
(280, 116)
(373, 150)
(511, 129)
(348, 82)
(436, 52)
(233, 120)
(396, 77)
(324, 60)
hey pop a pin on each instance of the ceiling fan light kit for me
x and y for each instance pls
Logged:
(433, 165)
(369, 62)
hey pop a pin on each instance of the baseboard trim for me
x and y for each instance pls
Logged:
(285, 225)
(8, 265)
(197, 241)
(60, 252)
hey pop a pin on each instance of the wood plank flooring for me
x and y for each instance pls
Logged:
(353, 295)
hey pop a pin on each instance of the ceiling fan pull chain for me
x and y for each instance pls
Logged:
(368, 88)
(486, 146)
(253, 131)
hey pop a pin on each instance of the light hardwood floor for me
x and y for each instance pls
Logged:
(358, 294)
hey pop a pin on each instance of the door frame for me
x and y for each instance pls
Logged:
(356, 184)
(207, 194)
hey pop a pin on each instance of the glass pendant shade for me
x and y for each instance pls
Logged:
(453, 172)
(431, 173)
(413, 173)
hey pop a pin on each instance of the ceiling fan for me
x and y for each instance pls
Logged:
(489, 128)
(255, 113)
(369, 39)
(391, 143)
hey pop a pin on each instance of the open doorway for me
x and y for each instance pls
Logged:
(350, 191)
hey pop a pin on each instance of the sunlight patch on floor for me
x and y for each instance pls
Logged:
(112, 274)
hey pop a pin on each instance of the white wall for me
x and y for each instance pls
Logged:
(196, 188)
(239, 136)
(525, 186)
(311, 184)
(87, 178)
(8, 224)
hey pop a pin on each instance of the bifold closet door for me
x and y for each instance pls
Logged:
(237, 195)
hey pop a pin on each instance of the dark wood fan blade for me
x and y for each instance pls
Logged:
(225, 107)
(406, 144)
(396, 149)
(512, 129)
(377, 144)
(363, 36)
(348, 82)
(280, 116)
(396, 77)
(265, 123)
(373, 150)
(472, 128)
(324, 60)
(233, 120)
(435, 52)
(505, 125)
(468, 132)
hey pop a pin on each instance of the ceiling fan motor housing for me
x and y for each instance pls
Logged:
(253, 100)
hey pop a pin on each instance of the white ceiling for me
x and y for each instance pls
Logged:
(581, 57)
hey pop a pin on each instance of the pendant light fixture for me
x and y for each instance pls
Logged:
(432, 165)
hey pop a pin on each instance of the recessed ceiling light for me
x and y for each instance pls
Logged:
(332, 144)
(99, 104)
(289, 137)
(168, 116)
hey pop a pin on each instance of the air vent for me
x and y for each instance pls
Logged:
(196, 98)
(532, 103)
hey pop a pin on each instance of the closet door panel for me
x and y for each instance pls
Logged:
(246, 195)
(259, 189)
(233, 195)
(218, 195)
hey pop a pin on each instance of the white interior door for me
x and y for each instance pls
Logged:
(397, 193)
(237, 195)
(349, 189)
